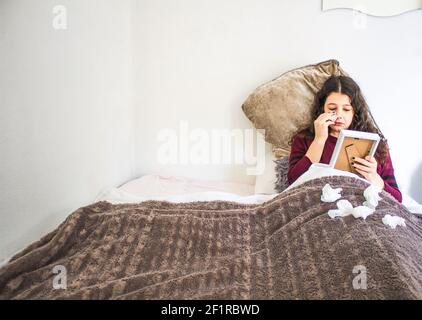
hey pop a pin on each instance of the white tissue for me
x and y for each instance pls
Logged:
(362, 212)
(393, 221)
(372, 197)
(329, 194)
(345, 208)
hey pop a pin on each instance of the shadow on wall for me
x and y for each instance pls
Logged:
(416, 184)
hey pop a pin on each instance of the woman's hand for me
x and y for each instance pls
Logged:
(368, 169)
(321, 125)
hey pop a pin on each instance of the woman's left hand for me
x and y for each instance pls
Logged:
(368, 169)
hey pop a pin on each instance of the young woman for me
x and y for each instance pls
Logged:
(340, 105)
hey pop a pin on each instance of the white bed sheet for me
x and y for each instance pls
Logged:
(182, 189)
(116, 196)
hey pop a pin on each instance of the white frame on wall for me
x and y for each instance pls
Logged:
(381, 8)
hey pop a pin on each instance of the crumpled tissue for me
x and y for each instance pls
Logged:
(362, 212)
(393, 221)
(329, 194)
(345, 208)
(372, 197)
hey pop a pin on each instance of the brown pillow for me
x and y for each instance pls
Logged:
(283, 105)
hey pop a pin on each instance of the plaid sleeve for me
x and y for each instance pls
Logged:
(390, 183)
(299, 163)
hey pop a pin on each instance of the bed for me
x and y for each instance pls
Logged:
(207, 240)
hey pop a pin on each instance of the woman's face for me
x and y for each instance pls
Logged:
(340, 103)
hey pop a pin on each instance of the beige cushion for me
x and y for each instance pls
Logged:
(283, 105)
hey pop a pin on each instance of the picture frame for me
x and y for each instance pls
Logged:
(352, 143)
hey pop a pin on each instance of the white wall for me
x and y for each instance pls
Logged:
(198, 61)
(65, 112)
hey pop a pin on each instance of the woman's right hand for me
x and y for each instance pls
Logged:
(321, 125)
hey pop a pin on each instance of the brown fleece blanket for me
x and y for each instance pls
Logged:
(286, 248)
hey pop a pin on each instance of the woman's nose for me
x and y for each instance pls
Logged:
(339, 114)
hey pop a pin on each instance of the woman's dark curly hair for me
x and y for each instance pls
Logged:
(362, 119)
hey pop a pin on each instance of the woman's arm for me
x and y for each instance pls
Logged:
(302, 156)
(390, 184)
(394, 191)
(315, 150)
(382, 176)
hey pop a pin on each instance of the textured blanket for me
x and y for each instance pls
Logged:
(286, 248)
